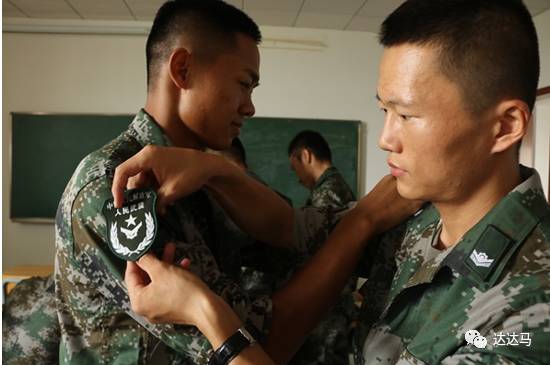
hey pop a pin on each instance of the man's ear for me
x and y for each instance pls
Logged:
(179, 67)
(305, 156)
(512, 120)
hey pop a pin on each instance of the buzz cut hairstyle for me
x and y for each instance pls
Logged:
(314, 142)
(489, 48)
(210, 26)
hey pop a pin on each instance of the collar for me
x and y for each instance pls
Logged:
(146, 130)
(329, 172)
(483, 252)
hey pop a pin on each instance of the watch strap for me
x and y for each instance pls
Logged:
(233, 346)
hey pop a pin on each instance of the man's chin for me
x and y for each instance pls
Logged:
(408, 192)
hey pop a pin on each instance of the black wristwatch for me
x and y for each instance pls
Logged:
(232, 347)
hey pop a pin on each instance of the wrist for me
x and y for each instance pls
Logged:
(220, 172)
(364, 222)
(218, 321)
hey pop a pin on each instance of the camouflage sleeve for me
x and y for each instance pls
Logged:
(313, 225)
(107, 271)
(326, 196)
(30, 329)
(522, 338)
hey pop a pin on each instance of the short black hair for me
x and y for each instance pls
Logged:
(488, 47)
(313, 141)
(212, 25)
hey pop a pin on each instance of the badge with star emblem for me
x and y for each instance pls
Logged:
(131, 229)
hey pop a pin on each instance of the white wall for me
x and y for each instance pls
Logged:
(542, 23)
(105, 74)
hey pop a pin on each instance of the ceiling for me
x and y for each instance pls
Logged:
(355, 15)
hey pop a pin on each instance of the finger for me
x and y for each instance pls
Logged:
(150, 264)
(169, 252)
(119, 184)
(136, 181)
(141, 180)
(185, 263)
(164, 200)
(133, 276)
(124, 171)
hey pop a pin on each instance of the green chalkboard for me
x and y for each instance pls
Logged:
(46, 148)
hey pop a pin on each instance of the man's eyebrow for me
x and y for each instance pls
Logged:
(394, 101)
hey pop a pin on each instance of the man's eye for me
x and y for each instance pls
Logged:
(404, 117)
(384, 110)
(245, 84)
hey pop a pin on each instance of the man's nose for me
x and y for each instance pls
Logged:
(389, 140)
(247, 108)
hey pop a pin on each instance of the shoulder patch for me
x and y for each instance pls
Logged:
(131, 229)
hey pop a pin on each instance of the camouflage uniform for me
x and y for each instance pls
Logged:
(329, 342)
(420, 302)
(265, 268)
(30, 330)
(330, 190)
(97, 323)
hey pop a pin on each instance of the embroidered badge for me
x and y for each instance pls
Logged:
(131, 229)
(481, 259)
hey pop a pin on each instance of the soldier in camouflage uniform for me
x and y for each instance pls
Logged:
(30, 328)
(330, 190)
(197, 96)
(311, 160)
(476, 262)
(467, 279)
(421, 301)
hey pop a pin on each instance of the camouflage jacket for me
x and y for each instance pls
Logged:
(96, 322)
(329, 342)
(421, 302)
(330, 190)
(30, 331)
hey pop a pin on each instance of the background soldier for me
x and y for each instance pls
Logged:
(311, 159)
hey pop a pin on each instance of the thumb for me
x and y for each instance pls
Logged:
(133, 276)
(164, 199)
(150, 264)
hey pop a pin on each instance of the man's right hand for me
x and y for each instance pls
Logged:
(383, 207)
(176, 171)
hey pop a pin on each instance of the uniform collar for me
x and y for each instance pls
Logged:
(330, 171)
(483, 252)
(147, 131)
